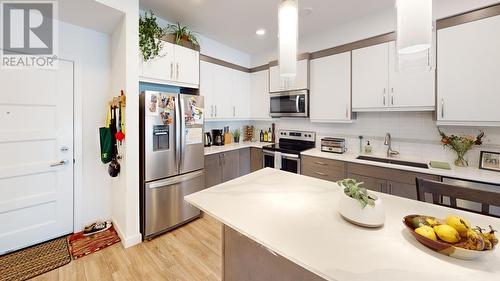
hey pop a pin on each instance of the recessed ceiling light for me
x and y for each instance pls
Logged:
(260, 32)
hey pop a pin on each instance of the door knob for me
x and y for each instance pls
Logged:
(64, 149)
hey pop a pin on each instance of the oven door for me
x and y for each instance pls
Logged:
(289, 162)
(289, 104)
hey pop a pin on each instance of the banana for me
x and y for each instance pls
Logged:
(488, 245)
(474, 241)
(458, 223)
(491, 236)
(447, 233)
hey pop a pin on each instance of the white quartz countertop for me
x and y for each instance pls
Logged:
(466, 173)
(214, 149)
(296, 217)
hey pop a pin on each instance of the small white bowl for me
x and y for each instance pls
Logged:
(369, 216)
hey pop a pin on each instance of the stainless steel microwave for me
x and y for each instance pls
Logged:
(290, 104)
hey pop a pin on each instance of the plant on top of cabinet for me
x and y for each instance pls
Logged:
(461, 145)
(183, 36)
(149, 36)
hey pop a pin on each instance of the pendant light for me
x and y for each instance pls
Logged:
(414, 26)
(288, 36)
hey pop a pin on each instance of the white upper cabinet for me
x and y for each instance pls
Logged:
(468, 77)
(377, 85)
(370, 78)
(259, 95)
(175, 65)
(226, 92)
(410, 89)
(301, 82)
(330, 96)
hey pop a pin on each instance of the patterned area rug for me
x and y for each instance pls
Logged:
(33, 261)
(81, 246)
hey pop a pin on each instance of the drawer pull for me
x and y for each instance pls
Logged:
(320, 163)
(321, 174)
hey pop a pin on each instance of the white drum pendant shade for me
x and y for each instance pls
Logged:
(414, 26)
(288, 37)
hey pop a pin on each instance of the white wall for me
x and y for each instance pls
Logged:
(215, 49)
(91, 84)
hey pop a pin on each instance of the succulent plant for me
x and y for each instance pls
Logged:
(353, 189)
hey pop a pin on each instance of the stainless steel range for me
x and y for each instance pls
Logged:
(172, 159)
(285, 155)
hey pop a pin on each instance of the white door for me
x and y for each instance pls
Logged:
(259, 95)
(331, 88)
(410, 89)
(187, 66)
(370, 78)
(468, 79)
(36, 163)
(161, 67)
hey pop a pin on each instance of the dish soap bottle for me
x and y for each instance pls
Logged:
(261, 136)
(368, 148)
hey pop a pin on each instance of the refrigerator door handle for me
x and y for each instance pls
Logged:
(178, 135)
(182, 134)
(174, 180)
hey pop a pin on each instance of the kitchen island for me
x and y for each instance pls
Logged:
(294, 221)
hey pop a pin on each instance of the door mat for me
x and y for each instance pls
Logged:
(80, 245)
(35, 260)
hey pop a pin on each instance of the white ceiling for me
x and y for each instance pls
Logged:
(234, 22)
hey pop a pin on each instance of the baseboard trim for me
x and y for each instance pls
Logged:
(127, 241)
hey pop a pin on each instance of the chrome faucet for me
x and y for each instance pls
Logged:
(388, 142)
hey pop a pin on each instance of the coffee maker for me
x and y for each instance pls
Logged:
(217, 137)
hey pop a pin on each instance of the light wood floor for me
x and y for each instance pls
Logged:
(189, 253)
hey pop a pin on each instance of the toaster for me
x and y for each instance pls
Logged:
(333, 145)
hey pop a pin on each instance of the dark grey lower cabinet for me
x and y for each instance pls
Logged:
(246, 260)
(222, 167)
(392, 181)
(244, 161)
(256, 161)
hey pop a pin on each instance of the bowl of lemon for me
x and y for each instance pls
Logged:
(453, 236)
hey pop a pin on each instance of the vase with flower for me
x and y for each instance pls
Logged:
(461, 145)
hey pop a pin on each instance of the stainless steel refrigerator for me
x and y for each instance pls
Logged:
(172, 159)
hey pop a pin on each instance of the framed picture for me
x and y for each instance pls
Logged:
(489, 161)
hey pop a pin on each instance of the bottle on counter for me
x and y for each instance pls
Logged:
(261, 136)
(265, 136)
(368, 148)
(273, 138)
(269, 135)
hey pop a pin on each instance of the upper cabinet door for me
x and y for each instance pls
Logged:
(410, 89)
(370, 78)
(301, 81)
(241, 94)
(161, 67)
(187, 65)
(331, 88)
(468, 75)
(222, 91)
(206, 88)
(259, 95)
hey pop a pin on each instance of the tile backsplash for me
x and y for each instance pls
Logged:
(414, 134)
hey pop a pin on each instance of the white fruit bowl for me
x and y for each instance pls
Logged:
(369, 216)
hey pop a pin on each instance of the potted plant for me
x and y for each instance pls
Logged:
(181, 35)
(149, 36)
(236, 135)
(461, 145)
(358, 206)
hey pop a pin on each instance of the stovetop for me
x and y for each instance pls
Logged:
(288, 147)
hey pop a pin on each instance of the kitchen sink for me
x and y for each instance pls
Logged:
(394, 161)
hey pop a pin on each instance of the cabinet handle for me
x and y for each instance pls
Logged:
(320, 163)
(211, 111)
(346, 111)
(234, 111)
(392, 100)
(224, 159)
(442, 108)
(321, 174)
(171, 70)
(390, 188)
(384, 97)
(215, 110)
(177, 74)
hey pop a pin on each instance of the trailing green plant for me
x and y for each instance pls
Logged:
(236, 133)
(149, 36)
(353, 189)
(182, 33)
